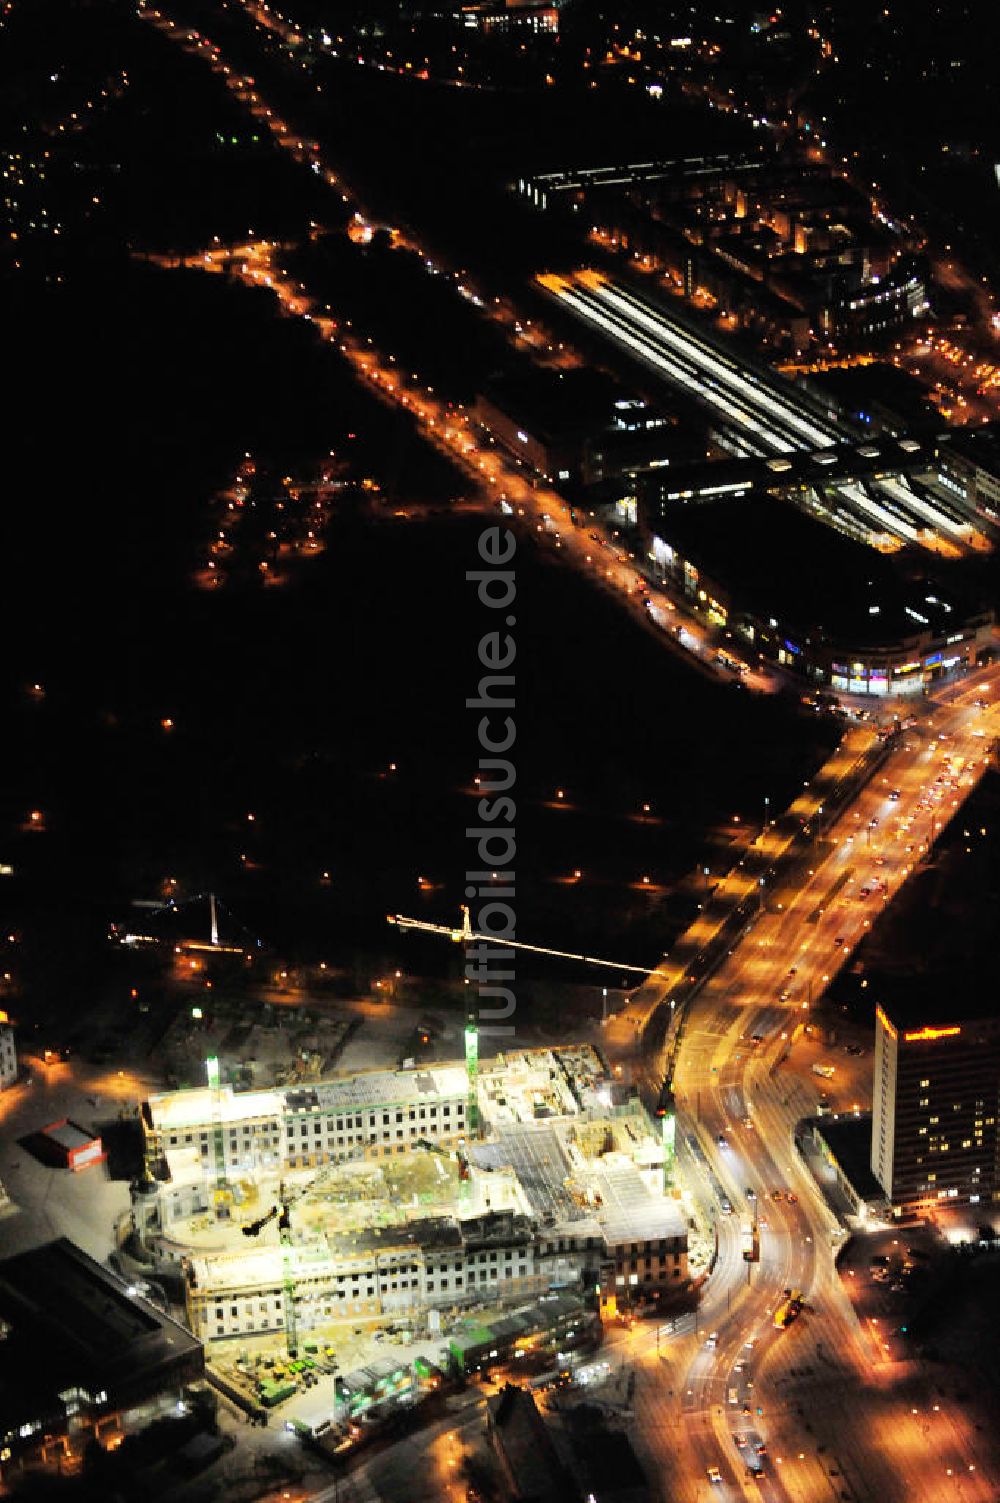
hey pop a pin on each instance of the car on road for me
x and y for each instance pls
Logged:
(751, 1193)
(753, 1450)
(722, 1140)
(839, 941)
(714, 1475)
(725, 1206)
(793, 1200)
(894, 794)
(777, 1195)
(712, 1341)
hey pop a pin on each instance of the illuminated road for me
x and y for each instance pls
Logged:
(449, 428)
(841, 1412)
(499, 480)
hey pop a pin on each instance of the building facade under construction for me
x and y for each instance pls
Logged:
(365, 1198)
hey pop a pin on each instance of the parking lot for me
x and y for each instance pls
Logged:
(55, 1202)
(885, 1273)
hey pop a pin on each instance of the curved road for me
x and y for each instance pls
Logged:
(841, 1417)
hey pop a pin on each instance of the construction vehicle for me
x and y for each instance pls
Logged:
(464, 1172)
(788, 1309)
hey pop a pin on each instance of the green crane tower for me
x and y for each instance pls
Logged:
(287, 1276)
(472, 1073)
(218, 1133)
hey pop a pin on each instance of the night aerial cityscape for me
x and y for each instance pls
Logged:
(501, 752)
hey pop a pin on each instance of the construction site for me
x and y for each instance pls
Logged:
(313, 1226)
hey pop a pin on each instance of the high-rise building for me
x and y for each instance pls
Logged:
(8, 1054)
(934, 1120)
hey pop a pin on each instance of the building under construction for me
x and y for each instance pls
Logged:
(376, 1113)
(365, 1198)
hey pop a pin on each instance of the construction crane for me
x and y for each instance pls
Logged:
(240, 942)
(466, 934)
(282, 1213)
(220, 1176)
(254, 1228)
(288, 1281)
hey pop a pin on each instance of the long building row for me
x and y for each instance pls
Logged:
(379, 1113)
(433, 1263)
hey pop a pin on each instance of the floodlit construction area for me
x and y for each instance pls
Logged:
(758, 413)
(416, 1224)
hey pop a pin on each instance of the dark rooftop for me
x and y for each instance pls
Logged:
(931, 1001)
(777, 562)
(849, 1139)
(980, 445)
(68, 1135)
(428, 1232)
(881, 391)
(522, 1441)
(71, 1324)
(553, 404)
